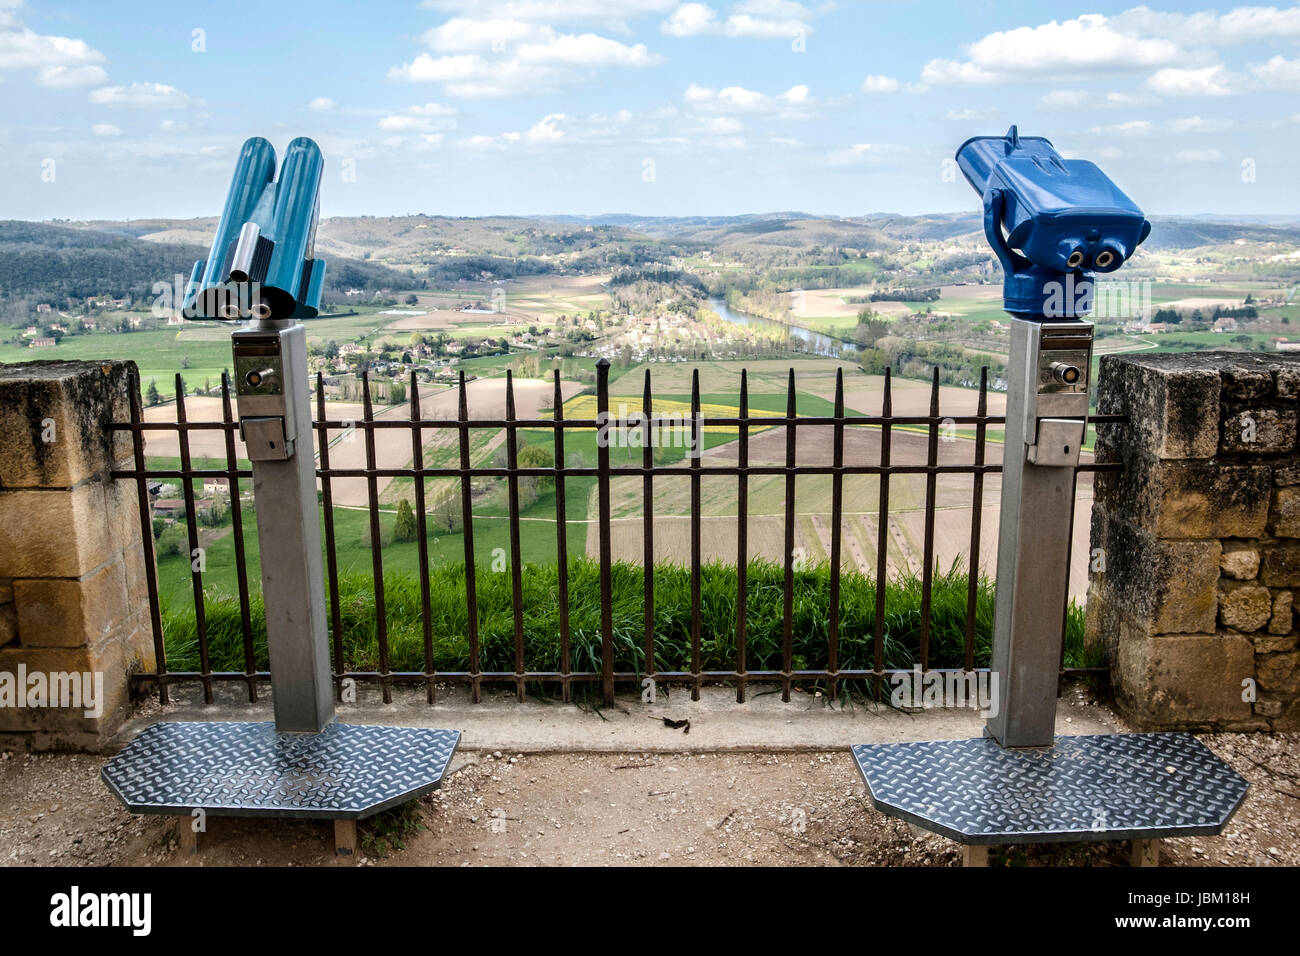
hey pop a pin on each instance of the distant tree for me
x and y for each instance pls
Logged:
(396, 393)
(151, 396)
(185, 361)
(412, 299)
(406, 528)
(331, 349)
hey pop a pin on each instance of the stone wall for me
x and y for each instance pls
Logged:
(73, 592)
(1196, 544)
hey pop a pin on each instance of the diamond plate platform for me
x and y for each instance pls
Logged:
(1102, 787)
(346, 772)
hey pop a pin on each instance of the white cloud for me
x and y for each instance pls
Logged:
(59, 61)
(548, 60)
(321, 104)
(1278, 73)
(1195, 124)
(691, 19)
(1204, 81)
(63, 77)
(421, 119)
(106, 129)
(1086, 44)
(141, 96)
(951, 73)
(1131, 128)
(1209, 28)
(879, 84)
(586, 50)
(490, 142)
(614, 13)
(752, 18)
(794, 103)
(1197, 156)
(467, 35)
(546, 130)
(970, 115)
(860, 154)
(1083, 100)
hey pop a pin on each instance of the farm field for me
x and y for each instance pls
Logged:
(904, 531)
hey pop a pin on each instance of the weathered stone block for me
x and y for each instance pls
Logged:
(1280, 622)
(72, 612)
(1165, 587)
(1266, 707)
(8, 624)
(1288, 382)
(1191, 498)
(46, 533)
(1259, 431)
(1173, 405)
(1290, 720)
(1279, 674)
(1244, 383)
(1286, 474)
(1272, 643)
(1239, 562)
(1183, 680)
(1246, 608)
(53, 417)
(1284, 516)
(1280, 566)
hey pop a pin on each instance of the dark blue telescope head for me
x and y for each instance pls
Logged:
(263, 263)
(1048, 217)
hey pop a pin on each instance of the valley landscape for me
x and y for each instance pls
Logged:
(417, 302)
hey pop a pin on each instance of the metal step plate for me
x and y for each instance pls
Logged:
(346, 772)
(1102, 787)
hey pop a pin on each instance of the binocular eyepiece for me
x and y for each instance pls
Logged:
(263, 263)
(1047, 217)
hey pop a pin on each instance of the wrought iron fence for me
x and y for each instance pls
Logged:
(694, 470)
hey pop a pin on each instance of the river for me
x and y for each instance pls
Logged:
(816, 342)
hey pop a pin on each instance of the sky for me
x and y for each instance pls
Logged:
(136, 109)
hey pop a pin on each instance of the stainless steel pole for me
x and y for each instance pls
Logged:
(1047, 407)
(273, 391)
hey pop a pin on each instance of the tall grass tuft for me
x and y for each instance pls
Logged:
(672, 620)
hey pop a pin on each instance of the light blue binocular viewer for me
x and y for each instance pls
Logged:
(263, 263)
(1048, 217)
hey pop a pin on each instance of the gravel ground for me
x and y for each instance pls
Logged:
(610, 809)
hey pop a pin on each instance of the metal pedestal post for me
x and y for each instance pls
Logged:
(1046, 417)
(275, 419)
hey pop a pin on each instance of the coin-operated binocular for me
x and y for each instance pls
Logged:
(263, 269)
(1047, 218)
(1053, 223)
(263, 263)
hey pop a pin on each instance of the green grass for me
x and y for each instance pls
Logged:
(672, 616)
(158, 353)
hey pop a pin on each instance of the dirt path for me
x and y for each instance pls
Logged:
(609, 809)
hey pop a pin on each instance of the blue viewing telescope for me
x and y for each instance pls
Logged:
(1048, 218)
(263, 263)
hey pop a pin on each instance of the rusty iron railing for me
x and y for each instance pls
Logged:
(604, 474)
